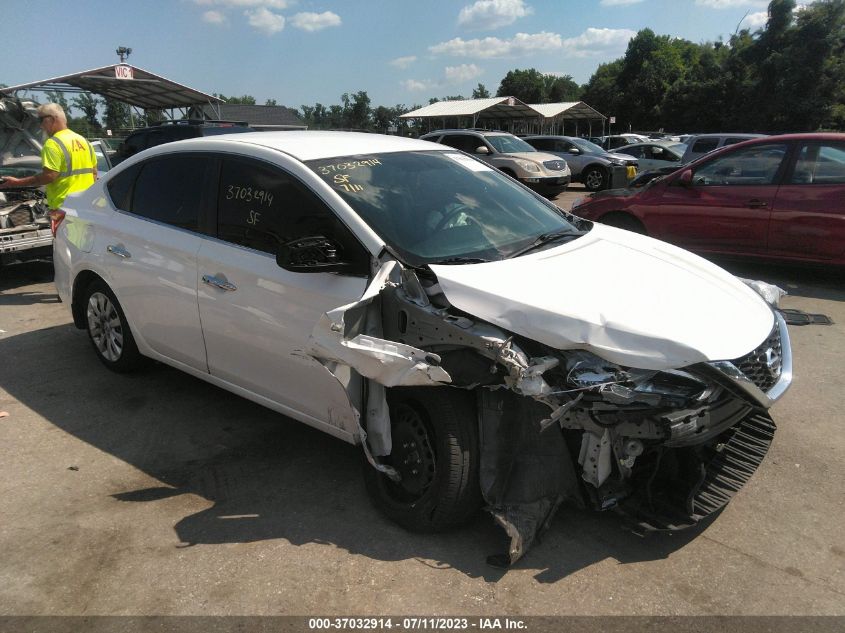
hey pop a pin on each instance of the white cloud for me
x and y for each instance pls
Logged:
(240, 4)
(617, 3)
(315, 21)
(519, 44)
(492, 14)
(462, 73)
(264, 20)
(412, 85)
(214, 17)
(403, 62)
(755, 20)
(731, 4)
(591, 42)
(598, 42)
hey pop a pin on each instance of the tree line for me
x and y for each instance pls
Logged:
(788, 75)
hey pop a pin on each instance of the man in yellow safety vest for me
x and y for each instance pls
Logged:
(68, 162)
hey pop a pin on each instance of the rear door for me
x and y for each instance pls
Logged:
(808, 220)
(256, 316)
(727, 207)
(150, 251)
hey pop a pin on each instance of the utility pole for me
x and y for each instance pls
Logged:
(123, 52)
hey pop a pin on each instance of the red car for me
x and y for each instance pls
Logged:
(776, 197)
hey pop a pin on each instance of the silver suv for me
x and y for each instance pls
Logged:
(546, 174)
(588, 162)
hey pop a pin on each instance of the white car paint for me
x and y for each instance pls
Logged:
(579, 296)
(628, 298)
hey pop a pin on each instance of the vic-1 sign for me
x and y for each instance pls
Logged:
(123, 72)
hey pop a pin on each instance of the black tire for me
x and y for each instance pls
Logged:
(595, 178)
(108, 329)
(624, 221)
(435, 449)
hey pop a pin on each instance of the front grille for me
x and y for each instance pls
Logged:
(555, 165)
(736, 460)
(763, 366)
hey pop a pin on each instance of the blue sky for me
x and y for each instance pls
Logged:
(307, 51)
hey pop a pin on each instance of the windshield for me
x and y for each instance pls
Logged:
(437, 206)
(587, 146)
(509, 144)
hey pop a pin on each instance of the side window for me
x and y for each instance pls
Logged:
(261, 207)
(563, 146)
(169, 190)
(704, 145)
(757, 165)
(120, 187)
(820, 164)
(732, 140)
(636, 152)
(542, 144)
(464, 142)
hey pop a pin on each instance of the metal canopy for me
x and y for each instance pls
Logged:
(129, 84)
(495, 108)
(569, 110)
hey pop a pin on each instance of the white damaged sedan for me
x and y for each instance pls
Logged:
(481, 345)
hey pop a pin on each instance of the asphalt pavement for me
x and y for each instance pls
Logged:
(158, 494)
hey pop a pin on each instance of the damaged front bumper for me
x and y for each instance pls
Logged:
(665, 448)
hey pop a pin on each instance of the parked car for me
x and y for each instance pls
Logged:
(169, 131)
(701, 144)
(544, 173)
(611, 142)
(478, 342)
(645, 177)
(24, 225)
(655, 154)
(587, 162)
(776, 197)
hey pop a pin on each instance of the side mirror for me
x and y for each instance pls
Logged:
(574, 150)
(685, 179)
(312, 254)
(482, 149)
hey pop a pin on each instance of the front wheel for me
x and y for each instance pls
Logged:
(435, 450)
(595, 179)
(108, 329)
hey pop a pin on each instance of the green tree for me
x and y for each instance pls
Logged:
(270, 102)
(242, 100)
(480, 92)
(87, 125)
(116, 114)
(526, 85)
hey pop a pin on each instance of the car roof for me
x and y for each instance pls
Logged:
(313, 145)
(467, 131)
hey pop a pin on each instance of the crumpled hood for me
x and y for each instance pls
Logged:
(630, 299)
(20, 134)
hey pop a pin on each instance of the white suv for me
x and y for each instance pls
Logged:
(545, 173)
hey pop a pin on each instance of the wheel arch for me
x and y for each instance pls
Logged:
(80, 283)
(623, 220)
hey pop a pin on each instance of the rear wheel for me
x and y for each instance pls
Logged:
(108, 329)
(435, 450)
(595, 178)
(624, 221)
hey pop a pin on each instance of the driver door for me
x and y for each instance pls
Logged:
(256, 316)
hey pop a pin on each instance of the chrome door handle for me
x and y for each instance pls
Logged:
(119, 251)
(211, 280)
(754, 203)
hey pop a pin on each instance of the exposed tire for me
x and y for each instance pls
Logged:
(435, 449)
(108, 329)
(624, 221)
(595, 178)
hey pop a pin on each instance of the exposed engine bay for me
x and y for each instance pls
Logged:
(663, 447)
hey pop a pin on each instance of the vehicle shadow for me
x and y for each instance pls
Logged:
(16, 276)
(268, 477)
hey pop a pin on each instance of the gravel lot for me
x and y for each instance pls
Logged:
(159, 494)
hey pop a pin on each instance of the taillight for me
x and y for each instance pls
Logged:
(56, 217)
